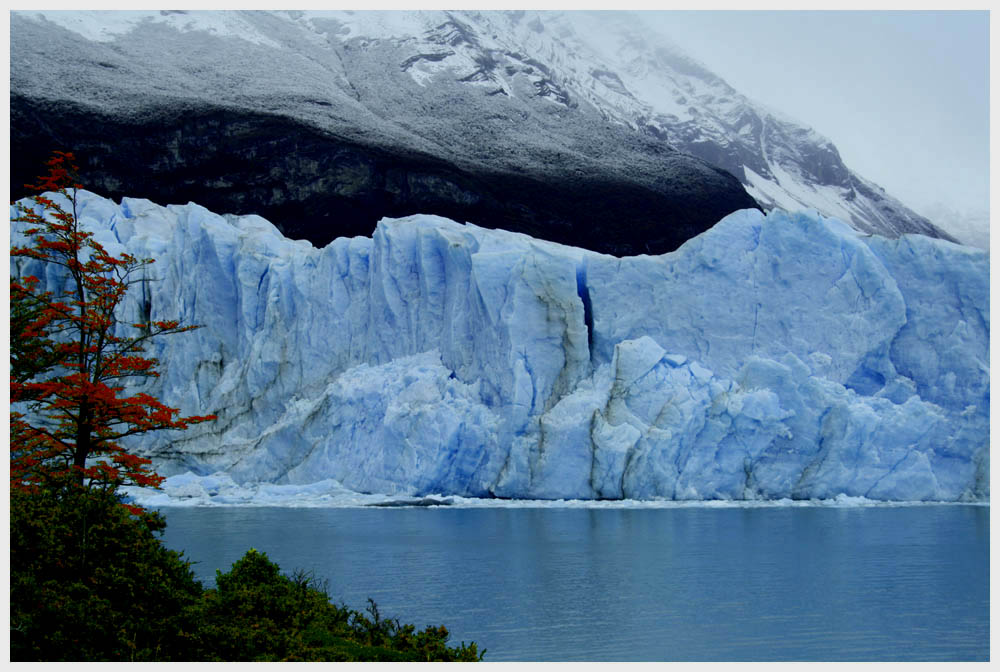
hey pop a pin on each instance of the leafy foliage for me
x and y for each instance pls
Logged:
(70, 355)
(256, 613)
(89, 581)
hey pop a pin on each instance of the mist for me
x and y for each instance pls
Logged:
(904, 95)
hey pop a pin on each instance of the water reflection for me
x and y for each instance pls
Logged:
(908, 583)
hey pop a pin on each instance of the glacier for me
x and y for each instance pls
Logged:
(778, 356)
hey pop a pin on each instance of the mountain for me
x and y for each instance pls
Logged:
(733, 355)
(286, 116)
(781, 163)
(574, 127)
(778, 356)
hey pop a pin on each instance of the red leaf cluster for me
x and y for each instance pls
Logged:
(69, 356)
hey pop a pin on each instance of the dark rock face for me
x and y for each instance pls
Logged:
(317, 186)
(324, 123)
(324, 135)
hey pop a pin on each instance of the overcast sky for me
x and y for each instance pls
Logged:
(903, 95)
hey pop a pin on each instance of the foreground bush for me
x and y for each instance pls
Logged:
(257, 613)
(90, 581)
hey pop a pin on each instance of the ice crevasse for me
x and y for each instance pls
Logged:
(777, 356)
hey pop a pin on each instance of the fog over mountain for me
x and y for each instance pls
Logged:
(904, 94)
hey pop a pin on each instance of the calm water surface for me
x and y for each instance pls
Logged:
(875, 583)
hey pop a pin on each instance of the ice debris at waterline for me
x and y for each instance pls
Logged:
(773, 357)
(189, 490)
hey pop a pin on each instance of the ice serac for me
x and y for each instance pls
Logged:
(777, 356)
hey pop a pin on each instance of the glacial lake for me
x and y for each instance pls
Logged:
(639, 584)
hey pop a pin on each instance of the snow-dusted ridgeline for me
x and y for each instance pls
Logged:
(770, 357)
(558, 96)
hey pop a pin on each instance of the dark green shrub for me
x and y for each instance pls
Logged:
(427, 645)
(256, 613)
(90, 581)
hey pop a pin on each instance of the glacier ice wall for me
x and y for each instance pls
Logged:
(772, 356)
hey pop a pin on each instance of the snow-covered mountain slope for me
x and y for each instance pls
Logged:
(769, 357)
(782, 163)
(549, 123)
(325, 132)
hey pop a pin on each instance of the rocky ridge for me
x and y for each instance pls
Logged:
(326, 133)
(576, 127)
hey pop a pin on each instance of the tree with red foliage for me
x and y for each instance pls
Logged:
(70, 354)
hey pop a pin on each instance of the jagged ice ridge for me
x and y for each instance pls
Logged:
(778, 356)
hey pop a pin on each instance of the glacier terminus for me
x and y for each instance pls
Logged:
(773, 356)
